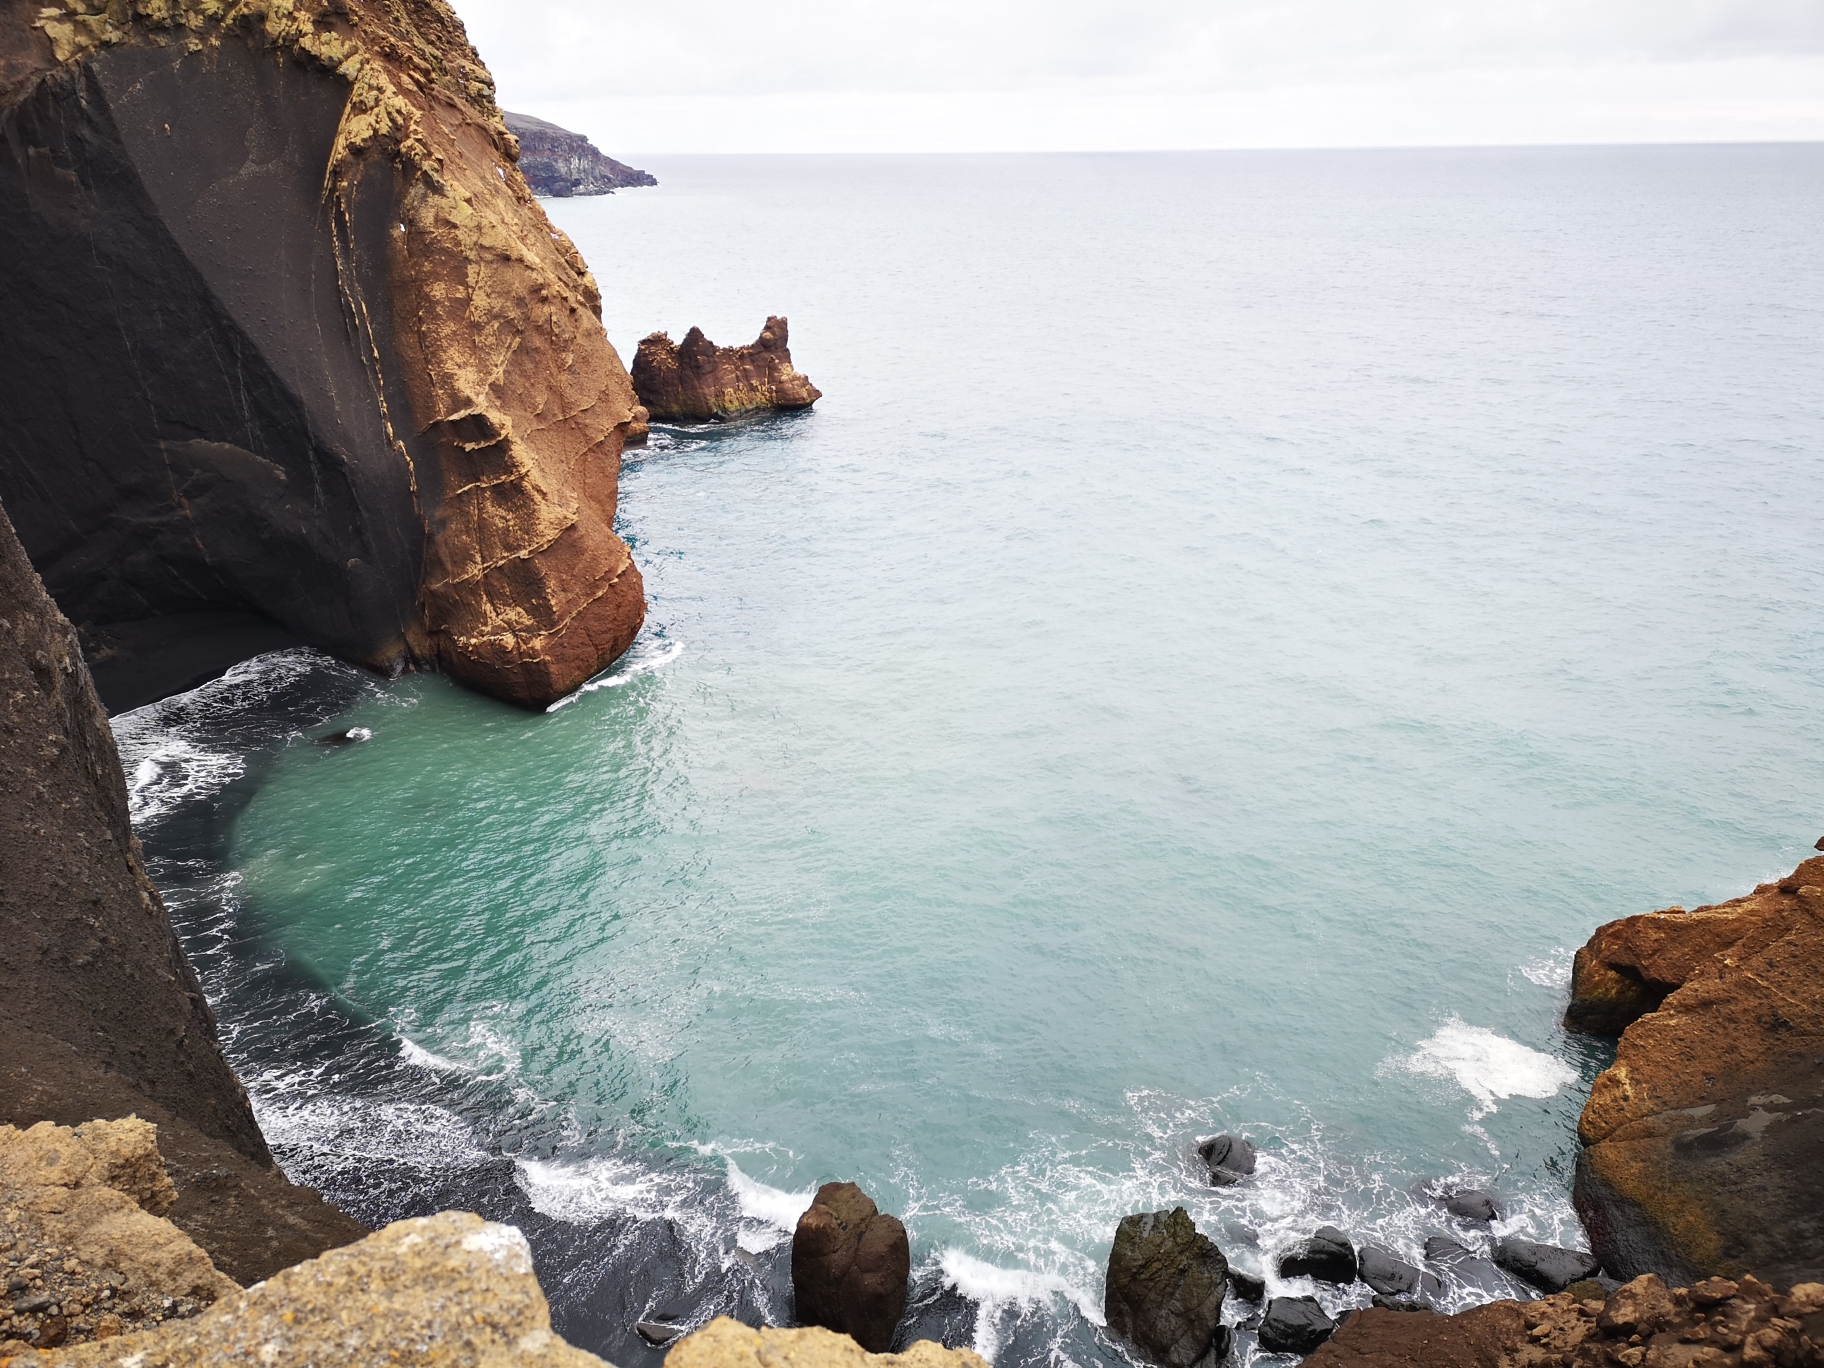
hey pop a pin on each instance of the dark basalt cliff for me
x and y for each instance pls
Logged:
(289, 341)
(1704, 1143)
(560, 163)
(100, 1013)
(697, 381)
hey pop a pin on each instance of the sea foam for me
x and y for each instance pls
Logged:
(1489, 1067)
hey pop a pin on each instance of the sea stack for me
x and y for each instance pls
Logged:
(289, 336)
(697, 381)
(1165, 1286)
(559, 163)
(850, 1263)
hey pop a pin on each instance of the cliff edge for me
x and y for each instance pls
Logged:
(560, 163)
(289, 337)
(100, 1011)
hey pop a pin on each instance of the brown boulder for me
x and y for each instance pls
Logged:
(850, 1263)
(1165, 1286)
(698, 381)
(1704, 1139)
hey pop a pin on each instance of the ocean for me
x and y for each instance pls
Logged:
(1234, 625)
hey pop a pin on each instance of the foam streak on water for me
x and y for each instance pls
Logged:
(1231, 624)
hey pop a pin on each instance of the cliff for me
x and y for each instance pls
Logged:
(290, 340)
(697, 381)
(1704, 1141)
(560, 163)
(100, 1011)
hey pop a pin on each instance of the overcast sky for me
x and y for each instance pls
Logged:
(994, 75)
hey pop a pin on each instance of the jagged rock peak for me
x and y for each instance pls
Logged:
(560, 163)
(697, 381)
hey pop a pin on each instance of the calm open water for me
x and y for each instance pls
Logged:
(1235, 623)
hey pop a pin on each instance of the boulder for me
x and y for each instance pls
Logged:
(697, 381)
(1327, 1256)
(1229, 1159)
(1165, 1287)
(1390, 1276)
(560, 163)
(850, 1262)
(1703, 1141)
(1550, 1268)
(289, 339)
(1246, 1286)
(1467, 1267)
(1294, 1325)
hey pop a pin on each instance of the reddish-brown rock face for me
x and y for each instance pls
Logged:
(1705, 1140)
(289, 335)
(697, 381)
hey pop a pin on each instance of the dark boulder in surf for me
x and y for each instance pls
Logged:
(1229, 1159)
(1295, 1325)
(1550, 1268)
(697, 381)
(1246, 1286)
(1473, 1204)
(1165, 1286)
(850, 1263)
(1467, 1267)
(1392, 1276)
(1327, 1256)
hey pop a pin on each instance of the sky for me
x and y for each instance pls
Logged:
(1090, 75)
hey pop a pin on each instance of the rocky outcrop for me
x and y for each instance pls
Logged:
(1294, 1325)
(1550, 1268)
(725, 1343)
(1227, 1159)
(100, 1012)
(1704, 1140)
(850, 1263)
(289, 339)
(1327, 1256)
(1165, 1286)
(697, 381)
(1712, 1324)
(560, 163)
(451, 1290)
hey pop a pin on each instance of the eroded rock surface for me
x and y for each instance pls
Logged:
(1165, 1286)
(451, 1290)
(1712, 1324)
(1704, 1140)
(288, 336)
(560, 163)
(697, 381)
(850, 1263)
(725, 1343)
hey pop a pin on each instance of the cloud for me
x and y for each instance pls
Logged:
(1128, 56)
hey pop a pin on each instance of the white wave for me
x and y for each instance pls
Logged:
(1551, 970)
(414, 1053)
(995, 1289)
(586, 1190)
(1489, 1067)
(171, 771)
(409, 1132)
(769, 1205)
(643, 659)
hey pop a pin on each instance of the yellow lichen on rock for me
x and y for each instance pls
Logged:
(451, 1290)
(725, 1343)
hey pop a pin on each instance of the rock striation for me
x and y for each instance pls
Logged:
(1712, 1324)
(560, 163)
(725, 1343)
(697, 381)
(289, 339)
(101, 1013)
(850, 1263)
(1165, 1287)
(1704, 1140)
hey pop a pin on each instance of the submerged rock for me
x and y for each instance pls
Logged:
(697, 381)
(850, 1263)
(1704, 1140)
(1467, 1267)
(1327, 1256)
(560, 163)
(1165, 1287)
(1294, 1325)
(1473, 1204)
(1549, 1268)
(288, 336)
(1229, 1158)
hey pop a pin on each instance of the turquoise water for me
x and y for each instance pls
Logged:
(1235, 623)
